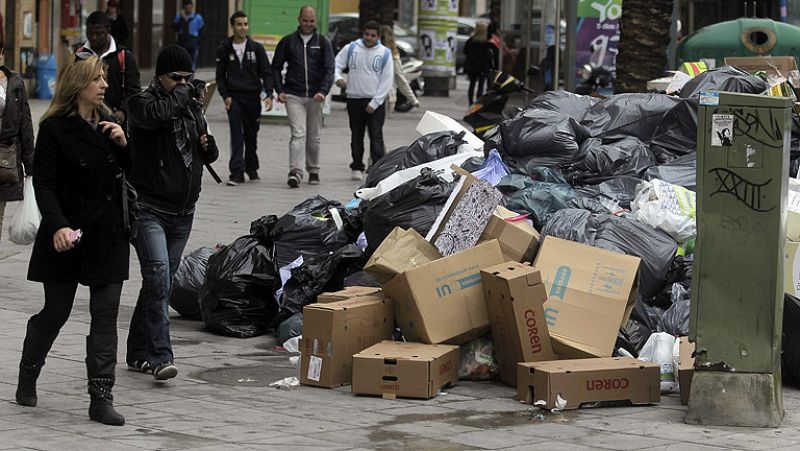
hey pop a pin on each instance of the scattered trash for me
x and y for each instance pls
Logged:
(288, 383)
(478, 361)
(661, 348)
(289, 331)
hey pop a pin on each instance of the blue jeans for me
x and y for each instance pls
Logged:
(159, 243)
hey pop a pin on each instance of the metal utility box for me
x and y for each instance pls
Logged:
(742, 176)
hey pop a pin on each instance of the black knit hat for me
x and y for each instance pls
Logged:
(173, 58)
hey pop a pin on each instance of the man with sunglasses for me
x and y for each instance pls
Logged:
(122, 74)
(169, 146)
(244, 80)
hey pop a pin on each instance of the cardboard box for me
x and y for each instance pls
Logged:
(518, 239)
(685, 368)
(442, 301)
(589, 380)
(774, 65)
(515, 296)
(350, 293)
(591, 292)
(791, 268)
(401, 369)
(793, 215)
(334, 331)
(399, 251)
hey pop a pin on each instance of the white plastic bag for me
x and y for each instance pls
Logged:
(660, 348)
(25, 222)
(667, 207)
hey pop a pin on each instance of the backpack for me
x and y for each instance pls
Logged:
(352, 46)
(121, 59)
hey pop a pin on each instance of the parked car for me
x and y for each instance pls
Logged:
(343, 28)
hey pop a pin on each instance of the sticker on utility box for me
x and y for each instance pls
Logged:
(708, 98)
(722, 130)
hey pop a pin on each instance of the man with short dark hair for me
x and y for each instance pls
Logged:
(122, 74)
(189, 24)
(369, 79)
(119, 26)
(308, 57)
(244, 79)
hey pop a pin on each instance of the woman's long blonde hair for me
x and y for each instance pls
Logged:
(481, 33)
(70, 81)
(387, 39)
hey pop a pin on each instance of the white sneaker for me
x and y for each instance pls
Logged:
(357, 175)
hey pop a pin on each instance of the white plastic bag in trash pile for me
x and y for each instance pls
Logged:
(667, 207)
(662, 348)
(25, 222)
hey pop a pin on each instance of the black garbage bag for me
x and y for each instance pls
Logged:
(311, 228)
(675, 320)
(679, 273)
(641, 324)
(541, 200)
(598, 161)
(318, 274)
(681, 172)
(414, 204)
(623, 115)
(545, 174)
(677, 133)
(237, 296)
(654, 247)
(512, 183)
(361, 279)
(473, 164)
(292, 327)
(188, 281)
(790, 356)
(725, 78)
(425, 149)
(620, 190)
(538, 138)
(262, 228)
(588, 203)
(573, 105)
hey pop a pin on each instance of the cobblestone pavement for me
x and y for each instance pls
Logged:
(221, 398)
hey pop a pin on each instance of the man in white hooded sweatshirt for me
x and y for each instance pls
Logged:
(370, 74)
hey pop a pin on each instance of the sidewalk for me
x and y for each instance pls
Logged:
(221, 398)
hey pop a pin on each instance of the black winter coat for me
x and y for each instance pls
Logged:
(78, 183)
(17, 126)
(478, 57)
(158, 172)
(117, 94)
(249, 76)
(309, 67)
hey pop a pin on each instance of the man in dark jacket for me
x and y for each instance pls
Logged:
(122, 74)
(119, 26)
(308, 57)
(170, 144)
(244, 79)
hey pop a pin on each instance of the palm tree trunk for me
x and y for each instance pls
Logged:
(644, 37)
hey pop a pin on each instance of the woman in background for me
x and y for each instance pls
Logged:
(479, 60)
(400, 81)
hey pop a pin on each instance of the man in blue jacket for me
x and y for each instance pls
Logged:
(188, 24)
(244, 80)
(308, 57)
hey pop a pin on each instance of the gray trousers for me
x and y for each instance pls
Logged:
(305, 121)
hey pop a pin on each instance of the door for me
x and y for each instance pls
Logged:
(215, 14)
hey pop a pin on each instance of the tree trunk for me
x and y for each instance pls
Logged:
(381, 11)
(643, 41)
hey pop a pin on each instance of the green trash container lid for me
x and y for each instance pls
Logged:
(741, 37)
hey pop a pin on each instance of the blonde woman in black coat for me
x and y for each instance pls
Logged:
(15, 128)
(83, 238)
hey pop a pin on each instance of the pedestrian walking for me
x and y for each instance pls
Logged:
(400, 81)
(169, 146)
(119, 26)
(83, 238)
(370, 74)
(244, 81)
(189, 24)
(16, 137)
(122, 73)
(479, 59)
(308, 57)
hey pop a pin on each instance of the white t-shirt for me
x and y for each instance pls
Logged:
(306, 37)
(239, 49)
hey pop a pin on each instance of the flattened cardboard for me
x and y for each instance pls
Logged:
(401, 250)
(518, 239)
(515, 296)
(442, 301)
(774, 65)
(407, 370)
(350, 293)
(333, 332)
(589, 380)
(590, 294)
(685, 368)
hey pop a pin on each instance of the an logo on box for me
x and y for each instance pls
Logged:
(560, 282)
(620, 383)
(443, 291)
(469, 281)
(551, 315)
(445, 367)
(533, 331)
(392, 387)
